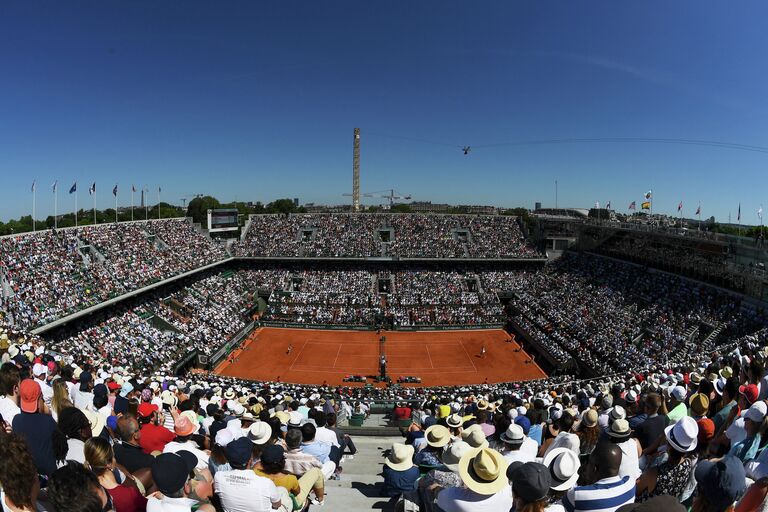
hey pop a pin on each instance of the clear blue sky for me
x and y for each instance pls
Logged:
(257, 100)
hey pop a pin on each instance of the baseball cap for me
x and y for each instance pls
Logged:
(272, 454)
(239, 451)
(39, 369)
(29, 391)
(530, 481)
(756, 412)
(146, 409)
(721, 482)
(170, 471)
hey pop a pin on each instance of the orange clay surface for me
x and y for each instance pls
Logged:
(439, 358)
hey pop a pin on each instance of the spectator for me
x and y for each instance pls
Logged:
(672, 475)
(241, 489)
(530, 485)
(154, 436)
(77, 430)
(18, 475)
(36, 428)
(170, 472)
(486, 487)
(720, 484)
(100, 459)
(72, 488)
(272, 466)
(128, 452)
(400, 473)
(605, 490)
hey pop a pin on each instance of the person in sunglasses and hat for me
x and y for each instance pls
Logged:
(486, 487)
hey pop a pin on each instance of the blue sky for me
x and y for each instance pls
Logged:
(257, 100)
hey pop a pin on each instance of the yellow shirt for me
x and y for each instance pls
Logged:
(443, 411)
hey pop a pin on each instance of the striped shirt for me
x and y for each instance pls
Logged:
(605, 495)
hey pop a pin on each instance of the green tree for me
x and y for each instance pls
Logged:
(281, 206)
(198, 209)
(400, 208)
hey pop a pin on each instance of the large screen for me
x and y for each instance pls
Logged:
(225, 219)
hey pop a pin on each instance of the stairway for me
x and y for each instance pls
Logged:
(357, 489)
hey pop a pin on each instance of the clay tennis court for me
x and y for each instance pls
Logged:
(439, 358)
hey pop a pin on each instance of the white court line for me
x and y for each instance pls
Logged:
(429, 356)
(297, 356)
(470, 357)
(337, 356)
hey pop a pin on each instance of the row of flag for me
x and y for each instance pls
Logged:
(91, 189)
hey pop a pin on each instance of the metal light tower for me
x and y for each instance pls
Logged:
(356, 172)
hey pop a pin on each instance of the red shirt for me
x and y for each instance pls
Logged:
(127, 499)
(402, 413)
(155, 437)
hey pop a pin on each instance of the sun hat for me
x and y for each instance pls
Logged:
(721, 482)
(619, 429)
(283, 416)
(259, 432)
(683, 435)
(184, 427)
(726, 372)
(751, 392)
(513, 435)
(589, 418)
(97, 421)
(168, 398)
(563, 466)
(696, 377)
(475, 437)
(719, 385)
(756, 412)
(437, 436)
(29, 393)
(482, 405)
(617, 413)
(453, 453)
(699, 404)
(191, 415)
(531, 481)
(483, 471)
(454, 421)
(400, 457)
(679, 393)
(607, 402)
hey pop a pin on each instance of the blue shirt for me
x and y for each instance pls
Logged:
(747, 449)
(37, 429)
(397, 482)
(318, 449)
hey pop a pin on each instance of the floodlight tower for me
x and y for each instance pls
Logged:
(356, 171)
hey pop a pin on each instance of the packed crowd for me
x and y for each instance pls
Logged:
(83, 431)
(612, 315)
(48, 275)
(405, 236)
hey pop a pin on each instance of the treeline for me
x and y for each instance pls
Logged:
(85, 217)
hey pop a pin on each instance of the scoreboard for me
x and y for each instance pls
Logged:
(225, 219)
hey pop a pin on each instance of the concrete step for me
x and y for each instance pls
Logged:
(349, 479)
(359, 498)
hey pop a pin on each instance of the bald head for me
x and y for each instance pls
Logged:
(605, 460)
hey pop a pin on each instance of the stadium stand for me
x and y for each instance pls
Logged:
(94, 416)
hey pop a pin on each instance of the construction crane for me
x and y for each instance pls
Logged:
(391, 195)
(193, 196)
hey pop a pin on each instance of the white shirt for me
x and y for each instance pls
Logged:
(76, 450)
(190, 446)
(630, 465)
(530, 447)
(84, 401)
(243, 490)
(460, 499)
(324, 435)
(518, 455)
(8, 409)
(565, 440)
(169, 504)
(46, 390)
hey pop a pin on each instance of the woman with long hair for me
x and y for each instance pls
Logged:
(100, 458)
(60, 398)
(589, 431)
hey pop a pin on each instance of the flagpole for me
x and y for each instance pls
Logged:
(34, 192)
(55, 206)
(133, 191)
(94, 205)
(75, 204)
(115, 204)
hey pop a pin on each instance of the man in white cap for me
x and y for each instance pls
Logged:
(40, 372)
